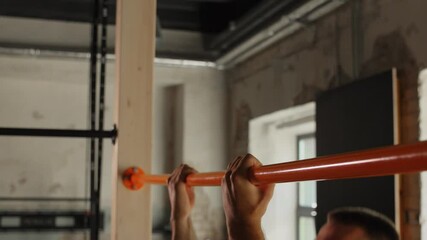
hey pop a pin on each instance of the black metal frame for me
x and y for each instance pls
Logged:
(42, 199)
(94, 218)
(96, 164)
(100, 15)
(94, 202)
(46, 221)
(71, 133)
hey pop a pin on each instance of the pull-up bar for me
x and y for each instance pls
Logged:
(368, 163)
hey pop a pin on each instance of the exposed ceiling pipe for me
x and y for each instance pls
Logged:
(286, 26)
(37, 53)
(250, 23)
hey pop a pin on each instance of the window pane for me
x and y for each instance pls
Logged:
(306, 229)
(307, 190)
(306, 147)
(307, 194)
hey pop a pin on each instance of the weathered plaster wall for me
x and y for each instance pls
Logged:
(201, 137)
(48, 93)
(53, 93)
(332, 52)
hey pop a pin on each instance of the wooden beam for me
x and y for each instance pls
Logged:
(135, 46)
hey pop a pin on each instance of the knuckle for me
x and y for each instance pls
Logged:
(223, 182)
(233, 176)
(226, 177)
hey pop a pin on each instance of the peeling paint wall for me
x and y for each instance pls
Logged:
(338, 48)
(53, 93)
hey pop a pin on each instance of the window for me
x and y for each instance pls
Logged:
(306, 203)
(279, 137)
(422, 92)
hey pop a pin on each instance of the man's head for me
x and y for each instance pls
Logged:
(357, 224)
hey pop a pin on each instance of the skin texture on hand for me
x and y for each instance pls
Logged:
(244, 203)
(182, 200)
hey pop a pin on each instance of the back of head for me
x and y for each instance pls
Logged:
(376, 225)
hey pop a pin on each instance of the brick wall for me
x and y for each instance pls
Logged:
(323, 56)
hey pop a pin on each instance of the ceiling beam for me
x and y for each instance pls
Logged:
(211, 1)
(177, 5)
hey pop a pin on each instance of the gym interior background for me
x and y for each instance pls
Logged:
(217, 79)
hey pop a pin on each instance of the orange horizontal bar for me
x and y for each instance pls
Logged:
(377, 162)
(156, 179)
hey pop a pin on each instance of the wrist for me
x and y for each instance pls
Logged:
(180, 220)
(182, 229)
(182, 224)
(179, 216)
(248, 229)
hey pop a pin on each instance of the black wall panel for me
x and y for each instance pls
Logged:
(350, 118)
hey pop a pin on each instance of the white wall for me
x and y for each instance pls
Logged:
(203, 137)
(47, 93)
(53, 93)
(423, 136)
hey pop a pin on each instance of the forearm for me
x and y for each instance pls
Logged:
(183, 229)
(238, 230)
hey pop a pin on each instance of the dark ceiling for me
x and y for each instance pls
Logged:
(223, 23)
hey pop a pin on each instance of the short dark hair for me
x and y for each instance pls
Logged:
(376, 225)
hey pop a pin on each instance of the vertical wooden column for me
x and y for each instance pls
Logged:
(135, 45)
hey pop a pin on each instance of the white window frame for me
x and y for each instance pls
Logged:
(273, 139)
(422, 92)
(303, 211)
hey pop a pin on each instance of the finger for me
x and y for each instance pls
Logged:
(226, 176)
(186, 171)
(188, 168)
(172, 175)
(227, 185)
(225, 189)
(232, 168)
(241, 169)
(190, 191)
(230, 165)
(249, 161)
(191, 195)
(175, 175)
(236, 162)
(226, 180)
(268, 191)
(234, 171)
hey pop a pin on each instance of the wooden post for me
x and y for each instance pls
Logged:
(135, 45)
